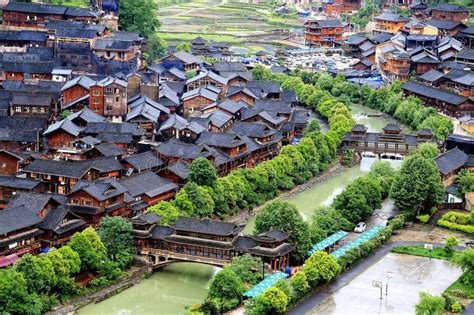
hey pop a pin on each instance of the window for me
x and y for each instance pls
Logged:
(46, 176)
(18, 109)
(95, 93)
(96, 101)
(34, 109)
(108, 90)
(121, 55)
(3, 165)
(42, 110)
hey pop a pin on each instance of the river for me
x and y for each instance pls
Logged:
(172, 288)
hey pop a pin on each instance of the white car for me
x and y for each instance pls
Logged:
(360, 227)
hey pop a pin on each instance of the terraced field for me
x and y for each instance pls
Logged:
(248, 26)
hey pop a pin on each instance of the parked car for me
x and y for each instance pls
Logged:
(470, 243)
(360, 227)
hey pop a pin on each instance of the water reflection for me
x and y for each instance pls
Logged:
(167, 291)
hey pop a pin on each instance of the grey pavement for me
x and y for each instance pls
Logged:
(342, 280)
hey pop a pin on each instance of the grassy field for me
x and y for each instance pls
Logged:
(419, 250)
(458, 285)
(220, 20)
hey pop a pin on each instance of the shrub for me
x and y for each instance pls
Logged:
(456, 217)
(469, 229)
(397, 223)
(456, 308)
(451, 241)
(424, 218)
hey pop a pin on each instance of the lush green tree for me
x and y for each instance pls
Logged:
(326, 221)
(166, 210)
(116, 235)
(320, 267)
(202, 172)
(313, 126)
(283, 216)
(352, 204)
(427, 150)
(372, 191)
(64, 283)
(257, 306)
(71, 258)
(417, 184)
(465, 182)
(90, 248)
(465, 260)
(299, 285)
(156, 48)
(277, 300)
(384, 174)
(182, 202)
(227, 288)
(37, 272)
(14, 296)
(283, 285)
(139, 16)
(64, 114)
(326, 81)
(246, 268)
(202, 202)
(429, 305)
(451, 241)
(183, 46)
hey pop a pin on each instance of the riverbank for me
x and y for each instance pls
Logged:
(134, 275)
(243, 217)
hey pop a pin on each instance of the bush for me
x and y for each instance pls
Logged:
(98, 282)
(424, 218)
(397, 222)
(469, 229)
(456, 217)
(456, 308)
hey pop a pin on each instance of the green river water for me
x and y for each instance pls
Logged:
(171, 288)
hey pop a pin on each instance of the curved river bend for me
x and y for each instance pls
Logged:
(172, 288)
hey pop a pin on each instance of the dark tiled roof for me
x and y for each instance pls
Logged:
(100, 190)
(16, 218)
(108, 149)
(206, 226)
(105, 127)
(220, 139)
(18, 183)
(325, 23)
(147, 183)
(466, 54)
(432, 76)
(432, 92)
(34, 8)
(31, 100)
(75, 33)
(451, 160)
(253, 130)
(29, 36)
(144, 161)
(110, 44)
(381, 37)
(442, 24)
(392, 17)
(180, 169)
(450, 8)
(176, 148)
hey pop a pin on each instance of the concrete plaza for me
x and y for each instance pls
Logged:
(409, 276)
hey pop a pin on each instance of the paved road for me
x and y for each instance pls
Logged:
(343, 279)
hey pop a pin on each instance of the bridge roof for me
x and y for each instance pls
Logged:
(206, 226)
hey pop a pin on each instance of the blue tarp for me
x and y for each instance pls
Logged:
(266, 283)
(327, 242)
(364, 237)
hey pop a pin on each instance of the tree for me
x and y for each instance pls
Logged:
(139, 16)
(64, 114)
(201, 200)
(245, 268)
(156, 47)
(352, 204)
(465, 182)
(202, 172)
(384, 174)
(451, 241)
(116, 235)
(226, 288)
(300, 285)
(71, 258)
(427, 150)
(64, 284)
(14, 297)
(38, 273)
(326, 221)
(90, 248)
(429, 305)
(283, 216)
(417, 185)
(166, 211)
(277, 300)
(320, 267)
(183, 46)
(182, 203)
(465, 260)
